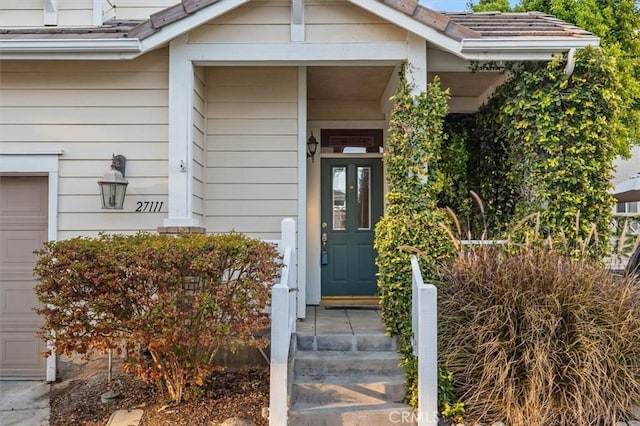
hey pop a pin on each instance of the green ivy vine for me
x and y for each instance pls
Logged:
(544, 144)
(412, 218)
(541, 147)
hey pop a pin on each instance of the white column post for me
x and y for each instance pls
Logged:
(180, 136)
(51, 12)
(417, 55)
(98, 11)
(297, 20)
(301, 253)
(417, 72)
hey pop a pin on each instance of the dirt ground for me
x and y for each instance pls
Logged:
(76, 399)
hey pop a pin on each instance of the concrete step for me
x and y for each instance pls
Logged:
(346, 342)
(333, 363)
(336, 389)
(341, 414)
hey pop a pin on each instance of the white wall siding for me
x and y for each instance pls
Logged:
(74, 13)
(269, 22)
(335, 109)
(335, 21)
(30, 13)
(251, 149)
(22, 13)
(256, 22)
(137, 9)
(92, 110)
(199, 140)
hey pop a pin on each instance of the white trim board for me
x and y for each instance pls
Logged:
(39, 162)
(183, 26)
(301, 255)
(408, 23)
(180, 136)
(381, 53)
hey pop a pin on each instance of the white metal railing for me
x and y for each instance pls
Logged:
(424, 319)
(283, 325)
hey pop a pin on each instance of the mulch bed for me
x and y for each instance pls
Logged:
(227, 394)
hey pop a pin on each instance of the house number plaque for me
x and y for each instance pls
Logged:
(149, 206)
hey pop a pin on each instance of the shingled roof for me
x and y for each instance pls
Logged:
(529, 24)
(458, 26)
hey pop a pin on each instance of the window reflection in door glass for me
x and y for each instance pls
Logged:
(339, 187)
(364, 199)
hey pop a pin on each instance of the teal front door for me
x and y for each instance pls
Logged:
(351, 206)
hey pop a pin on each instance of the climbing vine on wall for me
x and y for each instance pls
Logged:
(546, 144)
(542, 145)
(415, 141)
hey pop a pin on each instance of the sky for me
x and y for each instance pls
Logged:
(450, 5)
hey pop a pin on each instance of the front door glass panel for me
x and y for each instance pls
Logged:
(339, 188)
(364, 199)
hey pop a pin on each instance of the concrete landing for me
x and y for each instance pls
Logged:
(343, 330)
(321, 321)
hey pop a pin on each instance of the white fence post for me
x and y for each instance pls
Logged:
(289, 241)
(278, 376)
(283, 324)
(425, 327)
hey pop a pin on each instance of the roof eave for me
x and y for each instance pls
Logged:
(19, 48)
(525, 44)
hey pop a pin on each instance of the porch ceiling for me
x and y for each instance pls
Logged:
(347, 83)
(362, 83)
(466, 84)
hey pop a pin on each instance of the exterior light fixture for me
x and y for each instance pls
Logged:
(312, 147)
(113, 185)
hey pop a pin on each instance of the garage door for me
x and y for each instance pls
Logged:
(23, 229)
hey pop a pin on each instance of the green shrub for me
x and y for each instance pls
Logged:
(534, 338)
(180, 297)
(546, 143)
(411, 217)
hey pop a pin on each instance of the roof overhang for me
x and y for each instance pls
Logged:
(436, 29)
(56, 48)
(525, 44)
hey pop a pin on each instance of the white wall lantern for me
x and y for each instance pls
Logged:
(113, 185)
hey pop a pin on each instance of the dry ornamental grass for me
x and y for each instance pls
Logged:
(538, 339)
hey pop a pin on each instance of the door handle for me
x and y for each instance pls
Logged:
(324, 256)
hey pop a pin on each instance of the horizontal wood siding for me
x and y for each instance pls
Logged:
(324, 109)
(199, 141)
(92, 110)
(251, 153)
(269, 22)
(338, 21)
(138, 9)
(255, 22)
(30, 13)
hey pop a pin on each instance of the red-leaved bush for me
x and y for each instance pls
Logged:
(177, 298)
